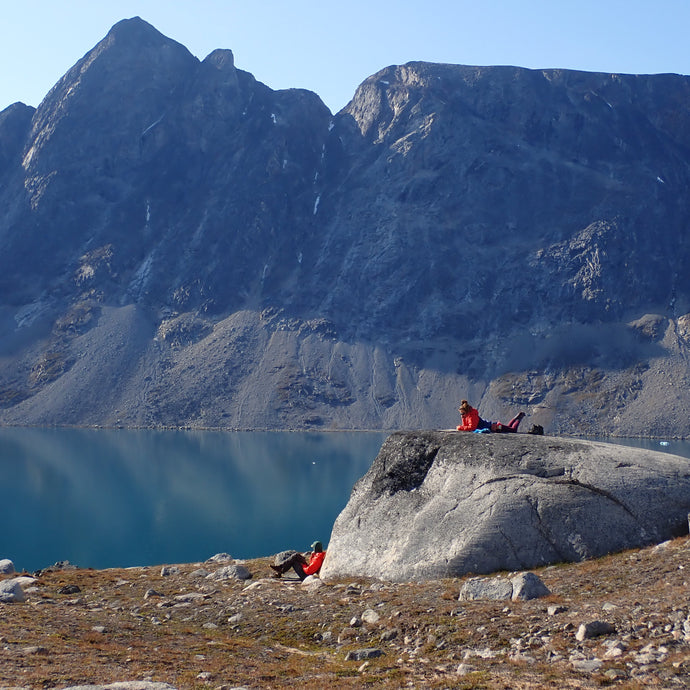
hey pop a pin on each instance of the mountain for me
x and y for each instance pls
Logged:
(183, 246)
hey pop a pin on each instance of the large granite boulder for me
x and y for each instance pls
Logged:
(438, 504)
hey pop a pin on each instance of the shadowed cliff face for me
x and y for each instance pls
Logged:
(514, 236)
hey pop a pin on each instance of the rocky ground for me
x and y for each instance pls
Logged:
(189, 627)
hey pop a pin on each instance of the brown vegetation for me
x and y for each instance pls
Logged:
(193, 632)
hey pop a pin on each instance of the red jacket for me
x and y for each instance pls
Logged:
(470, 420)
(315, 562)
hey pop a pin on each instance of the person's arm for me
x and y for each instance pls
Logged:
(315, 563)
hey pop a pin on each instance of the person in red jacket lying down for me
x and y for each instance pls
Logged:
(471, 421)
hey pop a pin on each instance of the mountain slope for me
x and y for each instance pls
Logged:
(510, 236)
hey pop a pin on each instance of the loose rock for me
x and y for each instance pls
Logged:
(230, 572)
(594, 629)
(6, 567)
(168, 570)
(523, 586)
(362, 654)
(370, 616)
(11, 591)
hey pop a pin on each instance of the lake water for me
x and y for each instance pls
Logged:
(102, 498)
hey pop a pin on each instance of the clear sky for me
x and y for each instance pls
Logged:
(330, 47)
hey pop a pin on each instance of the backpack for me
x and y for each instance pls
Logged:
(537, 430)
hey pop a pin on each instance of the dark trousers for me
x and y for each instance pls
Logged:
(509, 428)
(297, 562)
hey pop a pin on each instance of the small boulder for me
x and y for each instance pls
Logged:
(168, 570)
(11, 591)
(363, 654)
(486, 588)
(283, 557)
(528, 586)
(230, 572)
(370, 616)
(312, 583)
(522, 586)
(6, 567)
(555, 609)
(152, 593)
(594, 629)
(220, 558)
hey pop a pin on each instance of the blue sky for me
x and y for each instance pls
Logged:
(330, 48)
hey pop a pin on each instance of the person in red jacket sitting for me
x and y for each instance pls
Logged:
(300, 564)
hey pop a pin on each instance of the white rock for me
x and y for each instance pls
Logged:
(230, 572)
(528, 586)
(312, 583)
(370, 616)
(6, 567)
(168, 570)
(594, 629)
(464, 669)
(486, 588)
(11, 591)
(586, 665)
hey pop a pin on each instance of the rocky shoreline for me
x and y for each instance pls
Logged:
(622, 620)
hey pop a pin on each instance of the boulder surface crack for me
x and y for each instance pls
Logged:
(597, 490)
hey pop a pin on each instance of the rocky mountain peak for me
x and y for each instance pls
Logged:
(223, 59)
(131, 75)
(135, 31)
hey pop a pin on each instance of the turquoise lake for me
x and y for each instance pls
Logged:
(101, 498)
(118, 498)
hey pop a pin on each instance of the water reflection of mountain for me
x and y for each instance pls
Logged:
(114, 498)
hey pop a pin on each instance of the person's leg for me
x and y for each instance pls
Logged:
(297, 559)
(299, 569)
(514, 423)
